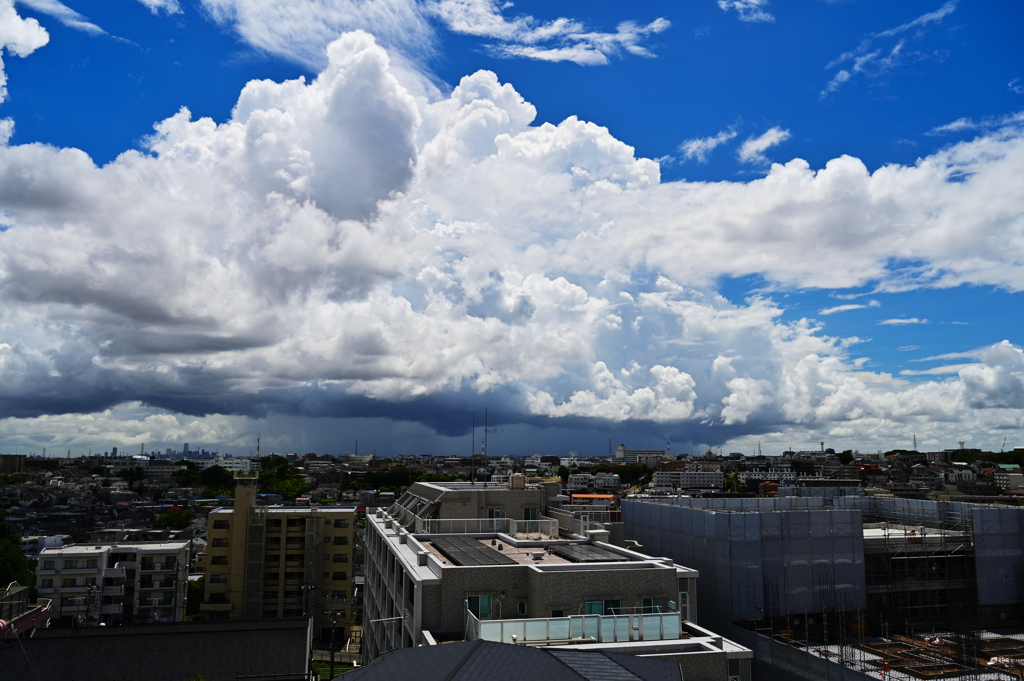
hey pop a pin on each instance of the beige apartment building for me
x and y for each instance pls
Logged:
(280, 561)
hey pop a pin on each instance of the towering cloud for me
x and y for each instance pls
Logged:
(348, 246)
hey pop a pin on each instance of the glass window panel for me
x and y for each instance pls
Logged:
(651, 627)
(575, 627)
(536, 630)
(559, 628)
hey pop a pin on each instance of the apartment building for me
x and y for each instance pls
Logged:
(280, 561)
(456, 561)
(115, 583)
(669, 480)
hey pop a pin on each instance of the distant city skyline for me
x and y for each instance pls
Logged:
(715, 224)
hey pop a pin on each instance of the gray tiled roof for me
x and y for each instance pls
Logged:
(489, 661)
(217, 650)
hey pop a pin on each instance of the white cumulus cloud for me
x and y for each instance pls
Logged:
(344, 246)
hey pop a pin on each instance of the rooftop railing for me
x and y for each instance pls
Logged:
(546, 527)
(578, 629)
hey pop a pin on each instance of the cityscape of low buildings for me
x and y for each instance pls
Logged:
(804, 565)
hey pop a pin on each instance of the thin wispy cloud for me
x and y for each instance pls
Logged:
(166, 6)
(301, 29)
(986, 123)
(873, 58)
(849, 307)
(748, 10)
(937, 371)
(923, 20)
(565, 40)
(64, 15)
(701, 147)
(753, 148)
(903, 321)
(1015, 86)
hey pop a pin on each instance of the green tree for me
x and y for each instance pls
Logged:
(132, 475)
(845, 457)
(187, 476)
(195, 595)
(218, 478)
(563, 473)
(277, 476)
(14, 566)
(175, 519)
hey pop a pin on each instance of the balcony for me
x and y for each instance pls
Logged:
(80, 569)
(111, 609)
(579, 629)
(159, 567)
(113, 590)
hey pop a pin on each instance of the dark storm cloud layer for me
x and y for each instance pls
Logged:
(362, 245)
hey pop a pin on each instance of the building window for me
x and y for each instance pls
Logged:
(47, 564)
(69, 581)
(651, 605)
(220, 543)
(495, 513)
(339, 594)
(341, 522)
(218, 579)
(293, 575)
(522, 608)
(274, 523)
(341, 541)
(607, 607)
(91, 563)
(530, 513)
(480, 606)
(558, 613)
(70, 564)
(218, 598)
(47, 584)
(220, 524)
(219, 560)
(339, 575)
(341, 558)
(294, 522)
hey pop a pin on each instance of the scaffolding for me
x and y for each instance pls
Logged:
(899, 588)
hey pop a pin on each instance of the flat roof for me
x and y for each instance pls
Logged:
(135, 546)
(594, 496)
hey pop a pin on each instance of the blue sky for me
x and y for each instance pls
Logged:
(715, 223)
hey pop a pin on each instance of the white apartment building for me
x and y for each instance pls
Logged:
(669, 480)
(580, 481)
(233, 465)
(607, 481)
(113, 583)
(780, 477)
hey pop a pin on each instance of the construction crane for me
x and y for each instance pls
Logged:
(1003, 448)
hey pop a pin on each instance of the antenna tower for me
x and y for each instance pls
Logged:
(915, 442)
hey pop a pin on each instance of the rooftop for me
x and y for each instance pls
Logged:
(91, 548)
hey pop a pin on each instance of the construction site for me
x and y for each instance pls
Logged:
(852, 587)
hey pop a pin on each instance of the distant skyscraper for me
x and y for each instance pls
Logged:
(113, 452)
(184, 452)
